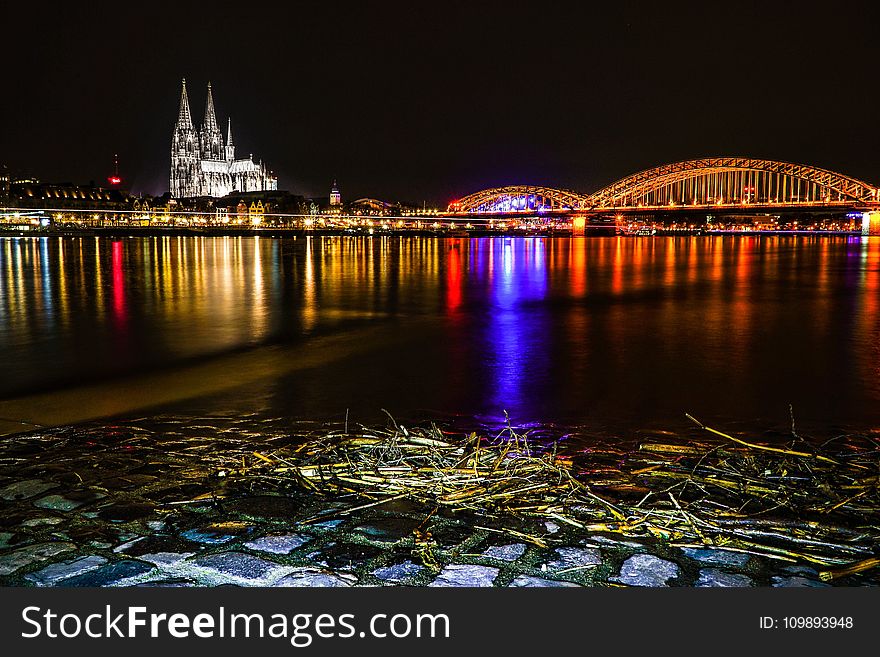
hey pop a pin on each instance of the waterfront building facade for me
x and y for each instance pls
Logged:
(31, 193)
(203, 165)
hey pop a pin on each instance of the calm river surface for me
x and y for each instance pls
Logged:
(612, 333)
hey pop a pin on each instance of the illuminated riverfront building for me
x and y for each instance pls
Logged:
(31, 193)
(202, 165)
(335, 196)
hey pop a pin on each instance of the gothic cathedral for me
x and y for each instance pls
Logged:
(201, 165)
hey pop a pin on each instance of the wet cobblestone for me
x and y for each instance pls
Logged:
(315, 578)
(112, 574)
(237, 568)
(646, 570)
(717, 557)
(57, 572)
(283, 544)
(505, 552)
(146, 508)
(18, 559)
(712, 577)
(570, 558)
(22, 490)
(399, 572)
(528, 581)
(466, 575)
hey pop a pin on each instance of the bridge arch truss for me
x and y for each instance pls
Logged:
(520, 198)
(705, 182)
(733, 180)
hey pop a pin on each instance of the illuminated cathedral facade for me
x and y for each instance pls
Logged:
(203, 165)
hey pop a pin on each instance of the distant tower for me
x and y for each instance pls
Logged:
(115, 179)
(184, 152)
(335, 196)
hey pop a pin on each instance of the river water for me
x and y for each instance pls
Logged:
(615, 334)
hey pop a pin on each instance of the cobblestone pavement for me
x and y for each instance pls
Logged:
(128, 506)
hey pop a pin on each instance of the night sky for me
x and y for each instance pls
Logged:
(402, 101)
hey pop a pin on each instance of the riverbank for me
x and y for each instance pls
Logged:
(175, 502)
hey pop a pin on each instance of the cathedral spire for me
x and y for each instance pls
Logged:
(210, 116)
(210, 136)
(184, 118)
(230, 147)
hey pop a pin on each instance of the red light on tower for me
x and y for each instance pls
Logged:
(115, 179)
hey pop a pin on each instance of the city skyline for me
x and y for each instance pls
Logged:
(478, 99)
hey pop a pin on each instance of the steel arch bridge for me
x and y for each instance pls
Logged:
(519, 198)
(705, 182)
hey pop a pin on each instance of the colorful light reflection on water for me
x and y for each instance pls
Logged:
(609, 331)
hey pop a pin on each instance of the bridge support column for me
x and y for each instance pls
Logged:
(578, 225)
(871, 223)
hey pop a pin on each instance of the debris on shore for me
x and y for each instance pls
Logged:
(251, 501)
(798, 502)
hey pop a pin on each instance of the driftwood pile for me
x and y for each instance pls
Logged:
(799, 502)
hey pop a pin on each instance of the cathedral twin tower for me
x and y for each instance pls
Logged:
(201, 165)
